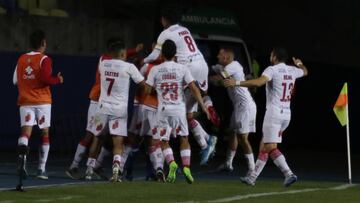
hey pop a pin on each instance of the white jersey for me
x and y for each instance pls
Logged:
(168, 79)
(238, 95)
(186, 49)
(114, 81)
(281, 84)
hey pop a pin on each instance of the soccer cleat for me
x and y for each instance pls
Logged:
(100, 173)
(214, 117)
(89, 173)
(248, 180)
(188, 177)
(172, 172)
(42, 175)
(160, 176)
(289, 180)
(115, 173)
(73, 173)
(225, 167)
(208, 151)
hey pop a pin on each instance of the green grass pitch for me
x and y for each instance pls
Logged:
(201, 191)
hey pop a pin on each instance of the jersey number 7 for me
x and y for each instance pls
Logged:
(111, 83)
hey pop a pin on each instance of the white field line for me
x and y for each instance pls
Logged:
(255, 195)
(65, 198)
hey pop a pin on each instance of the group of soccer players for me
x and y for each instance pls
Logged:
(171, 84)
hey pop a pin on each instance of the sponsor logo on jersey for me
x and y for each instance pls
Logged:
(29, 73)
(42, 120)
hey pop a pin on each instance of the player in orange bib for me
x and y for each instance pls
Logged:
(33, 76)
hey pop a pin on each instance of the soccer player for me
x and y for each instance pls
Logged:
(280, 81)
(243, 118)
(144, 122)
(85, 143)
(33, 76)
(113, 102)
(188, 54)
(168, 79)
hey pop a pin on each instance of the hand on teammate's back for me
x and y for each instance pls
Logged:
(61, 78)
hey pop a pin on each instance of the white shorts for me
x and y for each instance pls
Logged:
(36, 114)
(275, 123)
(200, 71)
(191, 103)
(115, 125)
(171, 123)
(93, 107)
(243, 119)
(144, 121)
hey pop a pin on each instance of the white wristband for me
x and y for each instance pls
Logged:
(299, 64)
(237, 83)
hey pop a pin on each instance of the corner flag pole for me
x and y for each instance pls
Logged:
(348, 142)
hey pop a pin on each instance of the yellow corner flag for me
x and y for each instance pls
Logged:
(340, 109)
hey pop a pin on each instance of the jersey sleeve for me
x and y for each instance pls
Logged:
(230, 71)
(135, 74)
(151, 77)
(268, 72)
(188, 78)
(143, 69)
(161, 39)
(15, 76)
(298, 72)
(46, 71)
(217, 68)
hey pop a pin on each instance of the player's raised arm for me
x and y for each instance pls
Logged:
(258, 82)
(300, 65)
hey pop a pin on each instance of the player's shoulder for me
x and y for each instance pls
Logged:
(105, 57)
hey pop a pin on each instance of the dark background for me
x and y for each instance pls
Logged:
(325, 35)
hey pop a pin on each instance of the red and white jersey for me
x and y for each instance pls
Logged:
(238, 95)
(114, 82)
(168, 79)
(281, 83)
(186, 48)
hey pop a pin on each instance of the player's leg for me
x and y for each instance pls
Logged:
(230, 154)
(169, 158)
(247, 120)
(248, 152)
(207, 143)
(97, 129)
(157, 158)
(43, 114)
(199, 70)
(84, 144)
(27, 118)
(185, 153)
(106, 150)
(280, 161)
(118, 131)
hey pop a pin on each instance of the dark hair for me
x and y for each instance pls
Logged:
(36, 39)
(280, 53)
(228, 49)
(116, 47)
(171, 14)
(168, 49)
(112, 41)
